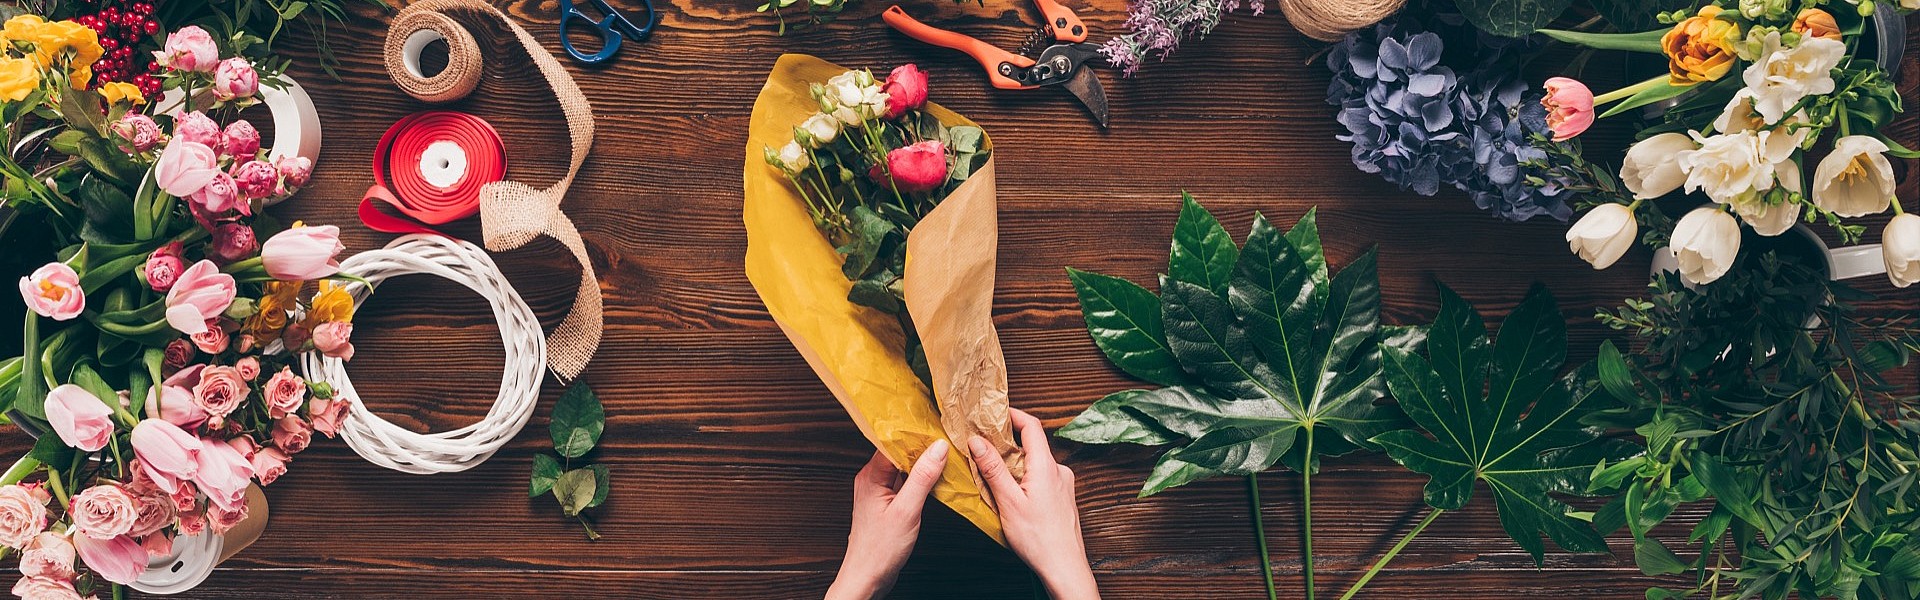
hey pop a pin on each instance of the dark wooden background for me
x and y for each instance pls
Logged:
(731, 463)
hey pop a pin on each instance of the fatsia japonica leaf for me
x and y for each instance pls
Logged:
(1124, 321)
(1501, 414)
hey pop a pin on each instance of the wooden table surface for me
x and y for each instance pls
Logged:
(731, 462)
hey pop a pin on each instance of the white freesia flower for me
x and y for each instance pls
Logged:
(1773, 218)
(1777, 143)
(1781, 76)
(1855, 179)
(794, 157)
(1649, 170)
(1706, 242)
(821, 128)
(1726, 166)
(1900, 247)
(1601, 237)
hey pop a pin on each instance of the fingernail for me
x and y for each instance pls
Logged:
(979, 446)
(939, 447)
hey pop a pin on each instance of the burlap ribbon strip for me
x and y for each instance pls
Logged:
(512, 213)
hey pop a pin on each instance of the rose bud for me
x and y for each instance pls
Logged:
(137, 132)
(242, 140)
(233, 241)
(235, 79)
(257, 179)
(906, 89)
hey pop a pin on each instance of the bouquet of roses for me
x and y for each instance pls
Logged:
(157, 339)
(871, 237)
(1757, 88)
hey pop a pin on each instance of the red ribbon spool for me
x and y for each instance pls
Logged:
(417, 171)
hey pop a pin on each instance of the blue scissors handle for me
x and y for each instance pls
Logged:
(612, 26)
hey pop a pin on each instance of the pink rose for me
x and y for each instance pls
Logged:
(243, 141)
(137, 132)
(249, 367)
(334, 339)
(186, 499)
(168, 454)
(269, 464)
(82, 420)
(221, 390)
(292, 435)
(23, 515)
(284, 393)
(1569, 107)
(257, 179)
(297, 169)
(220, 519)
(120, 560)
(178, 353)
(213, 340)
(223, 474)
(201, 293)
(232, 242)
(158, 545)
(192, 524)
(220, 195)
(53, 291)
(185, 167)
(103, 512)
(246, 343)
(43, 588)
(916, 168)
(906, 89)
(244, 445)
(49, 556)
(153, 511)
(303, 253)
(189, 48)
(177, 407)
(198, 128)
(234, 79)
(327, 415)
(163, 267)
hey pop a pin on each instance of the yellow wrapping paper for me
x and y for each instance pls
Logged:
(858, 352)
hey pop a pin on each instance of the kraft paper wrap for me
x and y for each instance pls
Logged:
(858, 352)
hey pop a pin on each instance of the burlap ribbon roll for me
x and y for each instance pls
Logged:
(1330, 20)
(512, 214)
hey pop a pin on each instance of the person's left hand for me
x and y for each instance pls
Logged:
(886, 522)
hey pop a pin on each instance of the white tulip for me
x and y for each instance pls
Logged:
(794, 157)
(1900, 247)
(1910, 4)
(821, 128)
(1780, 77)
(1855, 179)
(1706, 242)
(1601, 237)
(1649, 170)
(1726, 166)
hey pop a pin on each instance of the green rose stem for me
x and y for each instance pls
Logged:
(1260, 534)
(1392, 552)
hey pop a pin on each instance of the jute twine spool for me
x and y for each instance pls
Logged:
(1330, 20)
(464, 62)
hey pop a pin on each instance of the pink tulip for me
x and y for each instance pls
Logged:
(189, 48)
(168, 454)
(334, 339)
(303, 253)
(243, 141)
(906, 89)
(53, 291)
(1569, 107)
(223, 474)
(201, 293)
(82, 420)
(177, 407)
(185, 167)
(234, 79)
(120, 559)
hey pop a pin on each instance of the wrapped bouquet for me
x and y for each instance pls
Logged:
(871, 233)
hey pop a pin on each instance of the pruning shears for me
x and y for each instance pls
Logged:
(1064, 63)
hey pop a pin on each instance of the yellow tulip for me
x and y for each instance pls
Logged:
(18, 78)
(120, 91)
(1700, 48)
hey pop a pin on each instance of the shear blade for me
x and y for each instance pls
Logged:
(1086, 87)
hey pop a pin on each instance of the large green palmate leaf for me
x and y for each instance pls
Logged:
(1512, 18)
(1262, 351)
(1501, 414)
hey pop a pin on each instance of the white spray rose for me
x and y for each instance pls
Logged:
(1855, 179)
(821, 128)
(794, 157)
(1781, 76)
(1601, 237)
(1900, 247)
(1649, 170)
(1706, 242)
(1726, 166)
(856, 97)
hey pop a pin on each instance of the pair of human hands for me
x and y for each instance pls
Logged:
(1038, 513)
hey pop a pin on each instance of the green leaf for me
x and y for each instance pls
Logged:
(1615, 374)
(30, 395)
(50, 450)
(1512, 18)
(1501, 417)
(1124, 321)
(1655, 559)
(575, 490)
(1647, 41)
(546, 470)
(1203, 254)
(602, 483)
(1109, 421)
(869, 231)
(1660, 91)
(577, 421)
(1171, 472)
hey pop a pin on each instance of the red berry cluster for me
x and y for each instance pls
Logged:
(123, 27)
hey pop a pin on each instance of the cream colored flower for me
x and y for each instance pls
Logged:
(1726, 166)
(1649, 170)
(1601, 237)
(1777, 143)
(794, 157)
(1706, 242)
(1900, 247)
(856, 97)
(821, 128)
(1855, 179)
(1781, 76)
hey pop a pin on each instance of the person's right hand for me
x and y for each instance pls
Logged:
(1039, 515)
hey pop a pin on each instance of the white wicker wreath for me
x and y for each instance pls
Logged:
(394, 447)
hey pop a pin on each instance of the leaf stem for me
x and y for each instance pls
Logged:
(1395, 551)
(1306, 512)
(1260, 533)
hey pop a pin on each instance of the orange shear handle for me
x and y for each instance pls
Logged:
(988, 55)
(1065, 24)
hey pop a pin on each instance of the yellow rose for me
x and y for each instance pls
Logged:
(121, 91)
(271, 316)
(80, 77)
(1700, 48)
(51, 39)
(21, 28)
(18, 78)
(331, 304)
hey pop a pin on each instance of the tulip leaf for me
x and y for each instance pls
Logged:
(1500, 413)
(30, 394)
(1512, 18)
(1647, 41)
(577, 421)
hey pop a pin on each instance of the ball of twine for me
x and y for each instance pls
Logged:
(1330, 20)
(410, 33)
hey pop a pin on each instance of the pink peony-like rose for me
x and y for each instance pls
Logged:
(1569, 107)
(45, 588)
(246, 343)
(303, 253)
(221, 390)
(168, 454)
(249, 368)
(163, 267)
(234, 79)
(223, 474)
(177, 407)
(296, 336)
(243, 141)
(284, 393)
(292, 435)
(201, 293)
(53, 291)
(158, 545)
(192, 524)
(185, 167)
(153, 510)
(233, 242)
(120, 560)
(81, 419)
(189, 48)
(178, 353)
(103, 512)
(906, 89)
(327, 415)
(23, 514)
(296, 169)
(185, 499)
(915, 168)
(213, 340)
(49, 556)
(220, 195)
(138, 132)
(257, 179)
(198, 128)
(220, 519)
(269, 464)
(334, 339)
